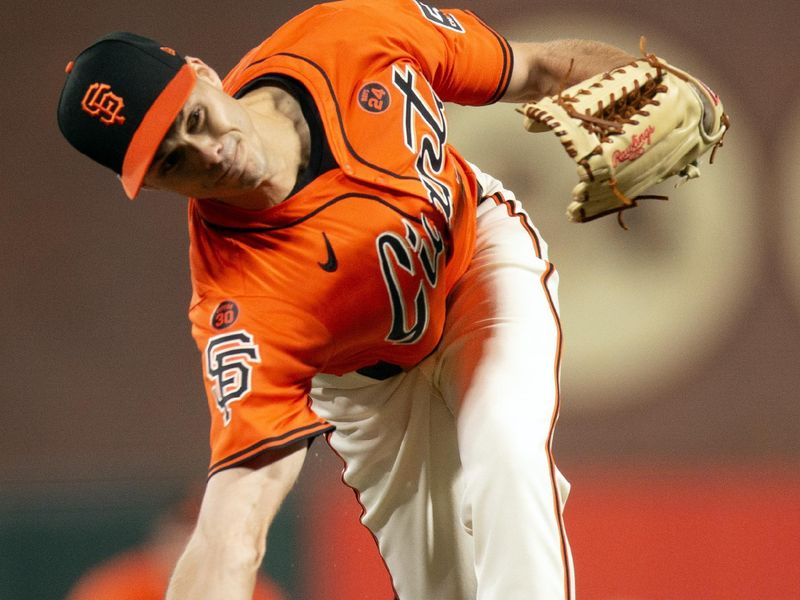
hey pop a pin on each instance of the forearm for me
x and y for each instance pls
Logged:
(543, 69)
(222, 557)
(212, 570)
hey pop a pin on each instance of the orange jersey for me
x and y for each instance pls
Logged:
(353, 269)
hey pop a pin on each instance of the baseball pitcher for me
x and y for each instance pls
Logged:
(355, 277)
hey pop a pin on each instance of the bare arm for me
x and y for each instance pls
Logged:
(540, 69)
(229, 542)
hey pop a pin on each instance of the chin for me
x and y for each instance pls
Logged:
(241, 187)
(250, 181)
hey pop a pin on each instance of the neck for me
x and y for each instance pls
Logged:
(286, 139)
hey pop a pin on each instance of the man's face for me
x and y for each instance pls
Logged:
(211, 150)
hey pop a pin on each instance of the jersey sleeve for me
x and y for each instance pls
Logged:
(465, 60)
(258, 359)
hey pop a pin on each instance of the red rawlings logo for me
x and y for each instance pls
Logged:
(636, 149)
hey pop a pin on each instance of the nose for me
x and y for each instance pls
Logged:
(208, 151)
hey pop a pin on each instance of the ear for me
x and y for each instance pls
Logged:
(204, 72)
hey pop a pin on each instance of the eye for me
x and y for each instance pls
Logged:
(170, 162)
(195, 120)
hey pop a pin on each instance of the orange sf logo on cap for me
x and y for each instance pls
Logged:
(100, 101)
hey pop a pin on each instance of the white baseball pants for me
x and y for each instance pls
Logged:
(452, 460)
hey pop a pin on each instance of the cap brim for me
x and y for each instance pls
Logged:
(153, 128)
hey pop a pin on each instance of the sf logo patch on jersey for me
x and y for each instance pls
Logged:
(229, 360)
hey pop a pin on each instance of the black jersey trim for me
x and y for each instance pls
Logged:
(381, 370)
(271, 443)
(313, 213)
(508, 60)
(338, 114)
(321, 159)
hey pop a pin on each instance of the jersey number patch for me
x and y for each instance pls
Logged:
(229, 360)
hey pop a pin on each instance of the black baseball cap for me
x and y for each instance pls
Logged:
(121, 96)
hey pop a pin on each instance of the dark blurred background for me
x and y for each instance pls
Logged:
(679, 428)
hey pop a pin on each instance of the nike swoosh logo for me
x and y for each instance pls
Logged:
(331, 264)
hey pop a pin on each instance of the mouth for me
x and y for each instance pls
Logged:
(234, 168)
